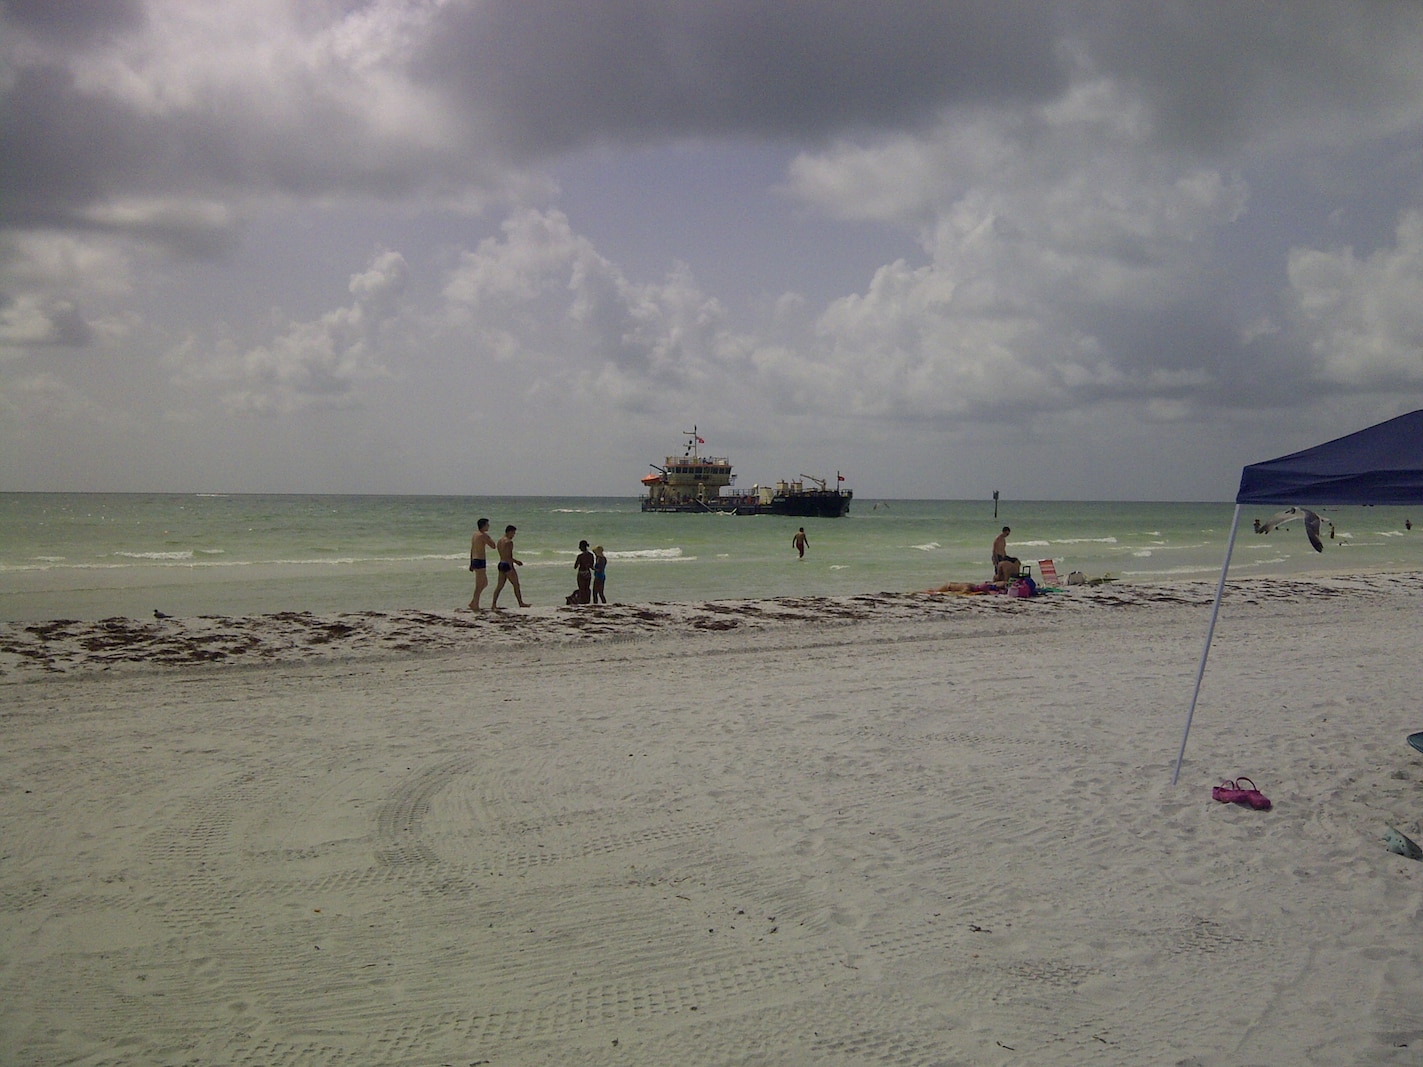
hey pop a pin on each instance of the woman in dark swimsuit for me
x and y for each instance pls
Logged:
(584, 565)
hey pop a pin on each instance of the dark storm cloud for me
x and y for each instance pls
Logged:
(67, 149)
(71, 22)
(1216, 71)
(133, 153)
(484, 84)
(64, 148)
(549, 75)
(67, 153)
(553, 74)
(417, 101)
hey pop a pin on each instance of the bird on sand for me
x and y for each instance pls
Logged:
(1289, 515)
(160, 615)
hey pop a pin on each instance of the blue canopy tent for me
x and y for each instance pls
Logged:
(1380, 465)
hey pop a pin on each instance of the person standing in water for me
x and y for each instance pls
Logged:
(507, 563)
(600, 574)
(800, 541)
(478, 545)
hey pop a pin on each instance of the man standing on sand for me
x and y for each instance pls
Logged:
(800, 541)
(477, 546)
(507, 563)
(1000, 549)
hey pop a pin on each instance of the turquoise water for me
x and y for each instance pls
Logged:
(89, 556)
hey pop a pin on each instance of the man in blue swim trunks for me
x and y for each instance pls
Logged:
(507, 563)
(479, 543)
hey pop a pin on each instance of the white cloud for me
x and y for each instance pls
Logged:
(45, 398)
(1363, 318)
(322, 362)
(542, 296)
(278, 57)
(1036, 228)
(34, 322)
(58, 261)
(51, 284)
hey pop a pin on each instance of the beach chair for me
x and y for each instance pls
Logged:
(1047, 572)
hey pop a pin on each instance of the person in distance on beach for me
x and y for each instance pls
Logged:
(968, 587)
(507, 563)
(478, 544)
(800, 541)
(1000, 549)
(584, 566)
(600, 574)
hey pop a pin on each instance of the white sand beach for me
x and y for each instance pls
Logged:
(897, 829)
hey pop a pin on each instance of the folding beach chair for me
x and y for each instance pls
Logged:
(1047, 571)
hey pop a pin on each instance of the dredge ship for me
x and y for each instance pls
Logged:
(692, 482)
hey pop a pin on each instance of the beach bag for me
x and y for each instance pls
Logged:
(1077, 578)
(1023, 587)
(1235, 792)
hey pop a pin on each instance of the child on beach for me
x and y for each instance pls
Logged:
(600, 574)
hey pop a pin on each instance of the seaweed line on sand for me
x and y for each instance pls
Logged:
(68, 645)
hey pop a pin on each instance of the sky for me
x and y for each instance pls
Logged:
(1100, 251)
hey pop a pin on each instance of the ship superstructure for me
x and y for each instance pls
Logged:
(693, 482)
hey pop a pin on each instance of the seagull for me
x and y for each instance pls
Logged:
(1289, 515)
(159, 615)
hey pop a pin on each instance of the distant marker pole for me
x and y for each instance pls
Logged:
(995, 503)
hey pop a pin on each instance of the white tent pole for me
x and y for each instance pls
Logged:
(1215, 614)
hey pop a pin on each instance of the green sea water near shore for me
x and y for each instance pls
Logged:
(91, 556)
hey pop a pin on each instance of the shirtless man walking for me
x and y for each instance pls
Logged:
(478, 544)
(507, 563)
(1000, 548)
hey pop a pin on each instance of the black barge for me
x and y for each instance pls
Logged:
(696, 483)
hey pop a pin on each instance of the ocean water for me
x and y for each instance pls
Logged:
(92, 556)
